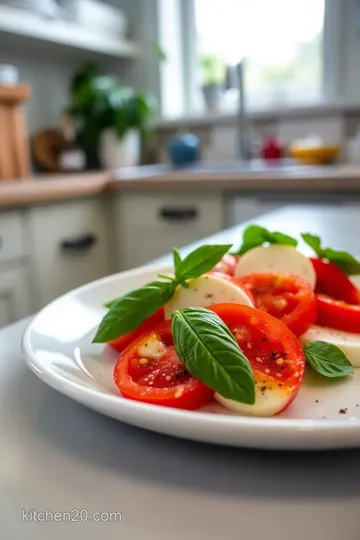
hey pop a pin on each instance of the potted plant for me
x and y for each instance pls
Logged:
(213, 81)
(111, 118)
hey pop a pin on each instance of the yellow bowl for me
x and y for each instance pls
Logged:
(315, 155)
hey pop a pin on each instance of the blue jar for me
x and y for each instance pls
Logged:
(184, 149)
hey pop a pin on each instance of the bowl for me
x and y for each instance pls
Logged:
(315, 155)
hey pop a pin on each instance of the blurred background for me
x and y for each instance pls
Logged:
(106, 105)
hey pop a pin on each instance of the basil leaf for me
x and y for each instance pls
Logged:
(314, 242)
(255, 236)
(200, 261)
(210, 353)
(327, 359)
(176, 258)
(342, 259)
(127, 313)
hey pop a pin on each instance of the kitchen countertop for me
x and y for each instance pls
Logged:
(52, 188)
(57, 455)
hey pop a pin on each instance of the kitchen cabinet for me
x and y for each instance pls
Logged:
(14, 294)
(149, 225)
(14, 269)
(69, 246)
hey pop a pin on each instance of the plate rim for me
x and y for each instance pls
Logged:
(75, 391)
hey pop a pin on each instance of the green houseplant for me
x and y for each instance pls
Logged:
(110, 118)
(213, 80)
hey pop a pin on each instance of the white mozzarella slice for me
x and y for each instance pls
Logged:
(348, 342)
(270, 398)
(152, 349)
(276, 258)
(205, 291)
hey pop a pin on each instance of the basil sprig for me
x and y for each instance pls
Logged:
(128, 312)
(255, 236)
(342, 259)
(209, 351)
(327, 359)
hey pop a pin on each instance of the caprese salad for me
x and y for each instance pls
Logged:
(240, 327)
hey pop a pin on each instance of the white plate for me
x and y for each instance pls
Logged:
(57, 347)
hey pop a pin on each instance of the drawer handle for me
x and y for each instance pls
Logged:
(178, 214)
(79, 243)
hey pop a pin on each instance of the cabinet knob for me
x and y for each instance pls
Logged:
(78, 243)
(178, 214)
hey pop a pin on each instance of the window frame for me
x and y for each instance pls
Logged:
(333, 56)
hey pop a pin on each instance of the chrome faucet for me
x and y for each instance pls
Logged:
(235, 79)
(242, 132)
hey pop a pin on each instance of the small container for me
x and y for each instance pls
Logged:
(184, 149)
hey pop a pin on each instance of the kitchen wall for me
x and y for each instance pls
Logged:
(218, 137)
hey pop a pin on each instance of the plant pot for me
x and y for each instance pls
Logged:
(212, 96)
(115, 153)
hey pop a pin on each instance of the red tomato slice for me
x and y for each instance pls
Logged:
(227, 265)
(273, 351)
(337, 314)
(288, 298)
(122, 342)
(332, 281)
(161, 380)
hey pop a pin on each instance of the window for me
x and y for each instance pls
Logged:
(281, 42)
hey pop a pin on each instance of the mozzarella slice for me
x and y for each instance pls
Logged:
(271, 397)
(276, 258)
(152, 349)
(205, 291)
(348, 342)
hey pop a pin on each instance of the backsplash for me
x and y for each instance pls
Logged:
(218, 138)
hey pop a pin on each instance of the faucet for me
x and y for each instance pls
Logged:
(242, 136)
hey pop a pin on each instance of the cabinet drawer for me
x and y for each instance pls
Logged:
(70, 246)
(173, 210)
(147, 247)
(12, 245)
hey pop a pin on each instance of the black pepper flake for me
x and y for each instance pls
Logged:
(263, 388)
(181, 373)
(279, 385)
(343, 411)
(316, 401)
(209, 295)
(273, 355)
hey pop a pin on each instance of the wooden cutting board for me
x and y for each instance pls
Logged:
(14, 146)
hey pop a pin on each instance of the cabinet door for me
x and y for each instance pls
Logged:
(248, 208)
(149, 225)
(69, 246)
(14, 301)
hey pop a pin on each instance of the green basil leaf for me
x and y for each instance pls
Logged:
(200, 261)
(176, 258)
(127, 313)
(314, 242)
(327, 359)
(342, 259)
(210, 353)
(255, 236)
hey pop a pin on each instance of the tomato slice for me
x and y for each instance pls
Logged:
(273, 351)
(158, 376)
(122, 342)
(332, 281)
(227, 265)
(286, 297)
(337, 314)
